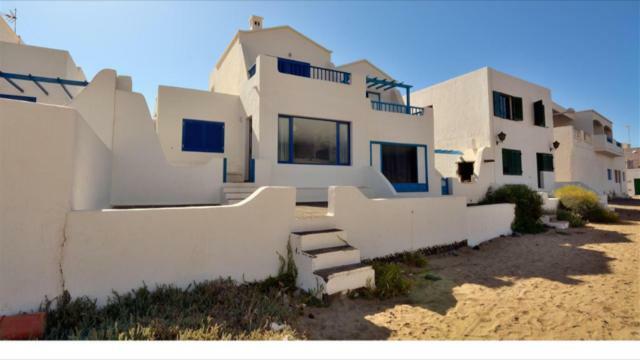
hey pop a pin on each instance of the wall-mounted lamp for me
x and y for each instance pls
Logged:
(501, 137)
(556, 145)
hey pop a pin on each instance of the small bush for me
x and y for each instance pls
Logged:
(577, 199)
(528, 206)
(601, 214)
(390, 280)
(414, 259)
(574, 219)
(583, 203)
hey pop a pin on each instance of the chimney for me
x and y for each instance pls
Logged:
(255, 22)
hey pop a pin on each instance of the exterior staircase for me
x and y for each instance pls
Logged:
(233, 193)
(327, 264)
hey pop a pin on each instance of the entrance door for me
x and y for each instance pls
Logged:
(545, 163)
(636, 185)
(249, 174)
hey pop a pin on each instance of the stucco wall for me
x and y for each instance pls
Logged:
(298, 96)
(413, 223)
(176, 104)
(7, 34)
(176, 245)
(228, 76)
(46, 171)
(141, 173)
(40, 61)
(631, 175)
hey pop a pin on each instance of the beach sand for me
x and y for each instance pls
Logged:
(565, 285)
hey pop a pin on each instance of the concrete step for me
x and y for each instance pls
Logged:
(333, 256)
(345, 277)
(318, 239)
(235, 177)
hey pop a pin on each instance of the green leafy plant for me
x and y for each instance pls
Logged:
(574, 219)
(413, 258)
(390, 280)
(528, 206)
(582, 203)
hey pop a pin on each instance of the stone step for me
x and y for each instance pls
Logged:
(333, 256)
(318, 239)
(346, 277)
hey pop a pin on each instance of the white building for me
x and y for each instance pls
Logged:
(491, 129)
(632, 170)
(587, 154)
(89, 179)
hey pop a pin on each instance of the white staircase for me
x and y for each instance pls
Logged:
(233, 193)
(327, 264)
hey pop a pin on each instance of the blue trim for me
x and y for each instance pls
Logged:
(202, 136)
(337, 122)
(18, 97)
(446, 186)
(448, 152)
(396, 108)
(410, 187)
(252, 170)
(405, 187)
(43, 79)
(609, 174)
(305, 69)
(224, 170)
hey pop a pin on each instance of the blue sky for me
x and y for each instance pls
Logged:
(586, 52)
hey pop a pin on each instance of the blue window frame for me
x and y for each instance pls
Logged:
(446, 186)
(400, 180)
(310, 141)
(202, 136)
(609, 174)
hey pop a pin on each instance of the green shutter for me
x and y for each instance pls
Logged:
(511, 162)
(517, 108)
(538, 113)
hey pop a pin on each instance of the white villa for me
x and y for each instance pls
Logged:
(98, 194)
(491, 129)
(588, 155)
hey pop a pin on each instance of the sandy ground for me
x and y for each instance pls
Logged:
(574, 284)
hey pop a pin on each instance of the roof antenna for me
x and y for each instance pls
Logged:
(12, 17)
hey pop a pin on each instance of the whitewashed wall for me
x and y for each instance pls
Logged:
(50, 163)
(380, 227)
(141, 173)
(631, 175)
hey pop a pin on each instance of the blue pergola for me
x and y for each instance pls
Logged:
(386, 84)
(37, 80)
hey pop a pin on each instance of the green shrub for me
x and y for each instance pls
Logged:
(585, 204)
(600, 214)
(528, 206)
(577, 199)
(390, 280)
(413, 258)
(574, 219)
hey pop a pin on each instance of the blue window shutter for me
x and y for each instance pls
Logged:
(496, 104)
(202, 136)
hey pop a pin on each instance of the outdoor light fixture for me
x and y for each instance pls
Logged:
(556, 145)
(501, 137)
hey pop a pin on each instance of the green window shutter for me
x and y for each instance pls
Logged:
(511, 162)
(517, 108)
(538, 113)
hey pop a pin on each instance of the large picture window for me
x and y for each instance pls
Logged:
(313, 141)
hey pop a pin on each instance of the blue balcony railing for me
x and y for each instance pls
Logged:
(609, 139)
(252, 71)
(618, 144)
(396, 108)
(299, 68)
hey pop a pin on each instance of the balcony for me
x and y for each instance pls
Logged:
(397, 108)
(606, 145)
(299, 68)
(386, 84)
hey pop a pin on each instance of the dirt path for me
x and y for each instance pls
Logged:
(575, 284)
